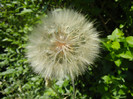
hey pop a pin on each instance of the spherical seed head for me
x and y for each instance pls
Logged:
(62, 45)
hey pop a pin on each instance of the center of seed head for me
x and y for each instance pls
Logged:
(59, 45)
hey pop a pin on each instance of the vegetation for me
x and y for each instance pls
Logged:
(110, 77)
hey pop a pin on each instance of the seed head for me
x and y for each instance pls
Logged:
(62, 45)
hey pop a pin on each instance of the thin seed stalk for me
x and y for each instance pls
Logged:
(49, 84)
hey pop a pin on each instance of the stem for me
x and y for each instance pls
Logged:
(73, 88)
(50, 85)
(56, 92)
(104, 24)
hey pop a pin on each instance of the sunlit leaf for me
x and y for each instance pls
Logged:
(118, 62)
(115, 45)
(129, 40)
(24, 11)
(117, 33)
(10, 71)
(126, 55)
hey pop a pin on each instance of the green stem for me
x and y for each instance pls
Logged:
(56, 92)
(50, 85)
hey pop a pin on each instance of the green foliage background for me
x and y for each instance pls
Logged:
(110, 78)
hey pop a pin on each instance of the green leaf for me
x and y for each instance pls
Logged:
(24, 11)
(117, 33)
(126, 55)
(116, 45)
(130, 40)
(131, 93)
(121, 26)
(106, 79)
(106, 44)
(36, 78)
(131, 8)
(105, 88)
(10, 71)
(118, 62)
(121, 92)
